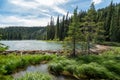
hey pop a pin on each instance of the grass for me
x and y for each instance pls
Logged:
(5, 77)
(11, 62)
(103, 66)
(3, 47)
(35, 76)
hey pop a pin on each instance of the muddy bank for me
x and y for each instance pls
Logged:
(99, 49)
(32, 52)
(96, 50)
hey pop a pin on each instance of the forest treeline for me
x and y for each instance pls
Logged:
(21, 33)
(105, 21)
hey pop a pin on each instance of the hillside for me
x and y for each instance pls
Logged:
(21, 33)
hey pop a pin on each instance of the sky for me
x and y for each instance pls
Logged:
(38, 12)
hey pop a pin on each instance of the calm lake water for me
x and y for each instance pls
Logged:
(32, 45)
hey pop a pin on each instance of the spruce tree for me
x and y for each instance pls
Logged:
(92, 29)
(115, 27)
(61, 29)
(108, 21)
(57, 28)
(52, 28)
(0, 36)
(66, 25)
(74, 32)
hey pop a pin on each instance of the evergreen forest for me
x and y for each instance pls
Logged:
(105, 23)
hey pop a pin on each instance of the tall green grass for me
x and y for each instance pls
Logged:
(11, 62)
(5, 77)
(103, 66)
(35, 76)
(3, 47)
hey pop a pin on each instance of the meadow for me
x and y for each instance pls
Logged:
(102, 66)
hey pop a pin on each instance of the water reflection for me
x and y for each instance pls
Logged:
(32, 45)
(43, 68)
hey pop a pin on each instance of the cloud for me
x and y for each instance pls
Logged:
(38, 12)
(59, 10)
(41, 4)
(24, 4)
(18, 21)
(31, 12)
(97, 1)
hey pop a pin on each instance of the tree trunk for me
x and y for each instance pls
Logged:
(73, 52)
(88, 44)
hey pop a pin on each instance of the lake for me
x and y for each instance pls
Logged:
(32, 45)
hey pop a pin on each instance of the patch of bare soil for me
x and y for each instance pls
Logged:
(99, 48)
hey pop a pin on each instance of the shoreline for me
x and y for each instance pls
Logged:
(31, 52)
(99, 49)
(96, 50)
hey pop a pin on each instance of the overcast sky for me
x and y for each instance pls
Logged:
(38, 12)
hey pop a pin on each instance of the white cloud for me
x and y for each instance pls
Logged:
(97, 1)
(24, 4)
(41, 4)
(51, 2)
(33, 12)
(18, 21)
(36, 3)
(59, 10)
